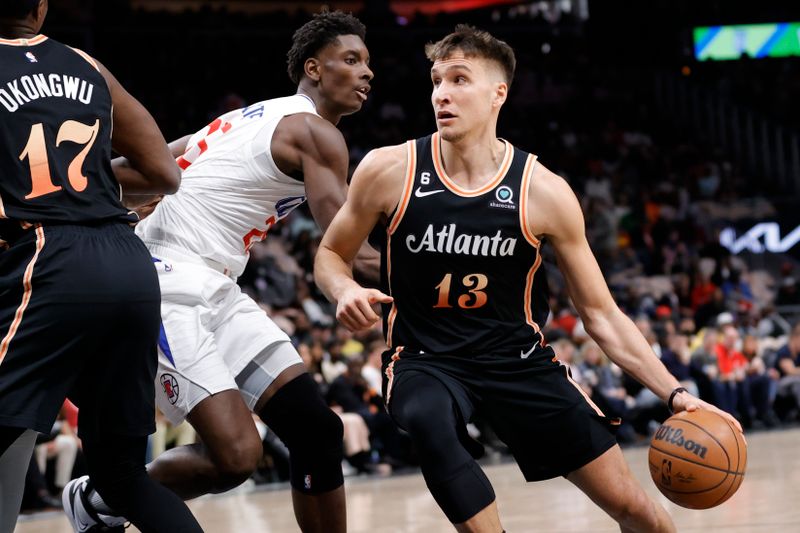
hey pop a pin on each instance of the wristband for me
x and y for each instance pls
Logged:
(672, 397)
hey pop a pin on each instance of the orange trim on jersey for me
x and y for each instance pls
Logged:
(527, 175)
(529, 290)
(583, 393)
(407, 187)
(453, 186)
(24, 42)
(390, 327)
(26, 295)
(390, 373)
(87, 57)
(393, 310)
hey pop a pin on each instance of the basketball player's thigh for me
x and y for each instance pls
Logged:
(608, 481)
(255, 349)
(42, 349)
(41, 362)
(549, 426)
(115, 390)
(190, 364)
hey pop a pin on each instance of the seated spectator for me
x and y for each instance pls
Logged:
(168, 436)
(733, 372)
(677, 358)
(788, 367)
(605, 381)
(705, 369)
(371, 371)
(36, 497)
(62, 446)
(760, 382)
(349, 393)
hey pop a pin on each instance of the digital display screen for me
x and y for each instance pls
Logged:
(754, 40)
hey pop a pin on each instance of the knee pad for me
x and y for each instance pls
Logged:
(312, 433)
(464, 494)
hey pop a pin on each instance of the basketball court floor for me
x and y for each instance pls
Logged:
(766, 502)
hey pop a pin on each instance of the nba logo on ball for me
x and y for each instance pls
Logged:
(171, 388)
(697, 459)
(504, 194)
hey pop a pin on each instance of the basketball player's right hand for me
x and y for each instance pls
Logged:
(688, 402)
(354, 309)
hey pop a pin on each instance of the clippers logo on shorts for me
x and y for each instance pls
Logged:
(505, 198)
(171, 388)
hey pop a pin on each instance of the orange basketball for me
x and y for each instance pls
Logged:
(697, 459)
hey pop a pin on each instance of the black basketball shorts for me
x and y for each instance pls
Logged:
(79, 317)
(549, 424)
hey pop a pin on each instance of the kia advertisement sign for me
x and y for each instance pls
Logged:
(764, 237)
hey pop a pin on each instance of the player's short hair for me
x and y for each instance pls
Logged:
(316, 34)
(473, 42)
(17, 9)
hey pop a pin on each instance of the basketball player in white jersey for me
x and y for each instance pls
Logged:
(220, 357)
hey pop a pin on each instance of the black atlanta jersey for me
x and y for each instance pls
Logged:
(55, 136)
(461, 265)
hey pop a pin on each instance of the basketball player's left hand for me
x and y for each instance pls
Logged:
(687, 402)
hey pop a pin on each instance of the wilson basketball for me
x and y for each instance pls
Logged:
(697, 459)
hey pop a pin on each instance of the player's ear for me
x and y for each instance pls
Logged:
(41, 11)
(311, 68)
(500, 94)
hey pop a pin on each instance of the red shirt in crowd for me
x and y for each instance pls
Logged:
(729, 360)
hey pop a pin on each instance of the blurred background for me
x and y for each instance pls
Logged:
(674, 121)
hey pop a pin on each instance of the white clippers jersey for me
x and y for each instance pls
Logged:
(231, 191)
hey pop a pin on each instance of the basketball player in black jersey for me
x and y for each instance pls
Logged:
(79, 298)
(464, 300)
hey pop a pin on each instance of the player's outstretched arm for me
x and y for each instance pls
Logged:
(556, 214)
(374, 192)
(136, 136)
(324, 162)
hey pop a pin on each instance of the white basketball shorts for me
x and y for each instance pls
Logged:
(211, 331)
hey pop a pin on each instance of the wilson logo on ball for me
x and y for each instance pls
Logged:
(675, 437)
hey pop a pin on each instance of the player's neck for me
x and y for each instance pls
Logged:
(472, 161)
(319, 104)
(17, 30)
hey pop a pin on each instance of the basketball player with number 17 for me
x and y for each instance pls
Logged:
(464, 299)
(220, 356)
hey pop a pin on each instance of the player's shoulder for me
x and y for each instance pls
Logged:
(311, 132)
(386, 160)
(547, 185)
(379, 177)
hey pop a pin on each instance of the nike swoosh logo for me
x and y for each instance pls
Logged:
(419, 193)
(524, 355)
(72, 493)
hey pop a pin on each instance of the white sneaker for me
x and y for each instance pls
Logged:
(80, 514)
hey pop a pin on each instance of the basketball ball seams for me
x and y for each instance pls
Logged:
(701, 428)
(697, 491)
(698, 463)
(692, 473)
(728, 493)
